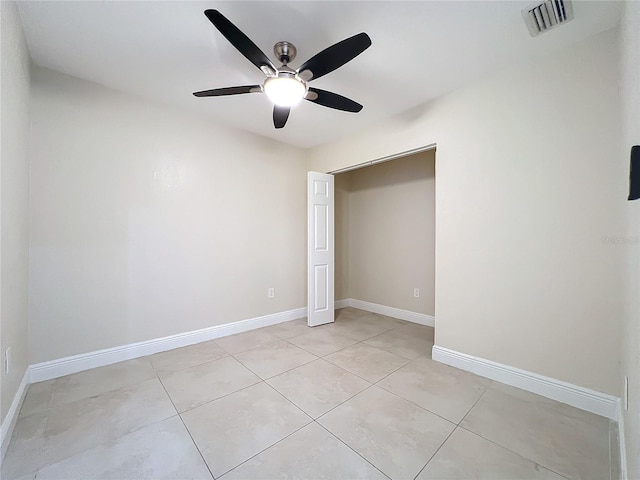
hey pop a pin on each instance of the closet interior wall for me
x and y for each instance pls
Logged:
(385, 233)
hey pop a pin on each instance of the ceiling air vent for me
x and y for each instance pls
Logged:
(546, 15)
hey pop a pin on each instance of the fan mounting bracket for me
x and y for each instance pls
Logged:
(285, 52)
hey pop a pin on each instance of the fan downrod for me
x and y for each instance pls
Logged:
(285, 52)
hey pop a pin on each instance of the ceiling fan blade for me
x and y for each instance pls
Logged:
(334, 56)
(332, 100)
(242, 43)
(280, 116)
(219, 92)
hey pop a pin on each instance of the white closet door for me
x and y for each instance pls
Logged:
(320, 249)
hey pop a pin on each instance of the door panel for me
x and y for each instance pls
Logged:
(320, 245)
(322, 287)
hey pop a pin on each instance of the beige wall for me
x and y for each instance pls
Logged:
(387, 246)
(148, 223)
(342, 222)
(630, 94)
(529, 189)
(14, 214)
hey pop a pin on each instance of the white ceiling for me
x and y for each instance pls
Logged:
(167, 50)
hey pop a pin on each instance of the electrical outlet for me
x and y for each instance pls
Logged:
(416, 292)
(7, 360)
(626, 392)
(271, 292)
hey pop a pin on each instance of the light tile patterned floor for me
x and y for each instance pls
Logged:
(357, 399)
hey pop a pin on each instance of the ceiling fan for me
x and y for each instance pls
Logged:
(284, 86)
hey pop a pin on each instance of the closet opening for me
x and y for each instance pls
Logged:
(385, 237)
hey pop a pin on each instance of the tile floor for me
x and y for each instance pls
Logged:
(360, 398)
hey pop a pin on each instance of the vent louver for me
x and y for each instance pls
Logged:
(547, 15)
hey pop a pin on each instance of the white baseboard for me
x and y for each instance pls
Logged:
(579, 397)
(85, 361)
(6, 430)
(407, 315)
(344, 303)
(622, 444)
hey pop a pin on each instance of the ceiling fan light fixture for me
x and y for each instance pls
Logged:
(285, 90)
(284, 86)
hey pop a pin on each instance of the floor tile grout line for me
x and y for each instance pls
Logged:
(196, 447)
(351, 448)
(277, 374)
(222, 396)
(348, 371)
(416, 405)
(233, 355)
(290, 401)
(342, 403)
(54, 380)
(363, 341)
(265, 449)
(335, 351)
(436, 452)
(276, 339)
(98, 445)
(186, 428)
(167, 393)
(369, 384)
(326, 354)
(51, 410)
(375, 383)
(467, 429)
(474, 404)
(389, 351)
(25, 399)
(326, 327)
(381, 387)
(169, 372)
(311, 420)
(261, 380)
(306, 333)
(106, 442)
(353, 373)
(406, 364)
(387, 330)
(343, 335)
(328, 363)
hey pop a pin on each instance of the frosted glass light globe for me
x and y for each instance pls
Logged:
(284, 91)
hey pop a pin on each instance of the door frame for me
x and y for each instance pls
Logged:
(405, 153)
